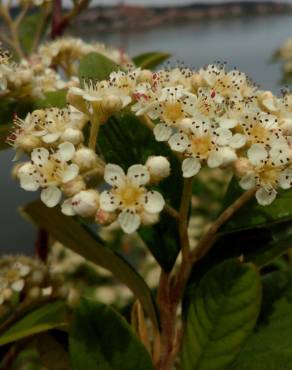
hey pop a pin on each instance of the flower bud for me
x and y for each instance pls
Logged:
(73, 187)
(86, 203)
(28, 142)
(85, 158)
(112, 103)
(197, 81)
(242, 166)
(7, 294)
(72, 135)
(105, 218)
(37, 277)
(34, 293)
(158, 167)
(145, 76)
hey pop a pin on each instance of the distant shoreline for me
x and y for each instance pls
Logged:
(140, 17)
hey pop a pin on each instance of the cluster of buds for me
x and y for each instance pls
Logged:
(27, 280)
(211, 117)
(28, 80)
(66, 53)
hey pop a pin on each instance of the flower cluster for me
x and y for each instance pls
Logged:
(28, 80)
(27, 279)
(211, 117)
(66, 53)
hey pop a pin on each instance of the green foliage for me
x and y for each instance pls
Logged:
(50, 315)
(29, 27)
(223, 312)
(74, 236)
(101, 339)
(52, 99)
(52, 353)
(150, 60)
(270, 346)
(252, 214)
(125, 141)
(96, 66)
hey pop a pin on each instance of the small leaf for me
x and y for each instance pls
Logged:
(96, 66)
(28, 29)
(222, 313)
(150, 60)
(74, 236)
(101, 339)
(47, 317)
(270, 346)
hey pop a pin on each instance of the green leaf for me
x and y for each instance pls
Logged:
(52, 99)
(252, 214)
(120, 142)
(96, 66)
(223, 311)
(150, 60)
(270, 346)
(28, 29)
(47, 317)
(74, 236)
(101, 339)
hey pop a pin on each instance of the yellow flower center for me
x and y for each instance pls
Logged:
(201, 145)
(173, 111)
(129, 195)
(257, 132)
(269, 174)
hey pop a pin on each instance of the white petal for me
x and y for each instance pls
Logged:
(227, 123)
(228, 155)
(285, 179)
(257, 154)
(270, 104)
(28, 182)
(224, 136)
(162, 132)
(108, 202)
(66, 151)
(237, 141)
(114, 175)
(67, 208)
(129, 221)
(248, 181)
(40, 156)
(280, 154)
(51, 138)
(266, 196)
(179, 142)
(153, 202)
(51, 196)
(138, 174)
(70, 173)
(190, 167)
(215, 159)
(18, 285)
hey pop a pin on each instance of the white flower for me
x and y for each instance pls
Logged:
(265, 174)
(49, 172)
(128, 195)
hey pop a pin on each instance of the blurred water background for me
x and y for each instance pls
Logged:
(245, 42)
